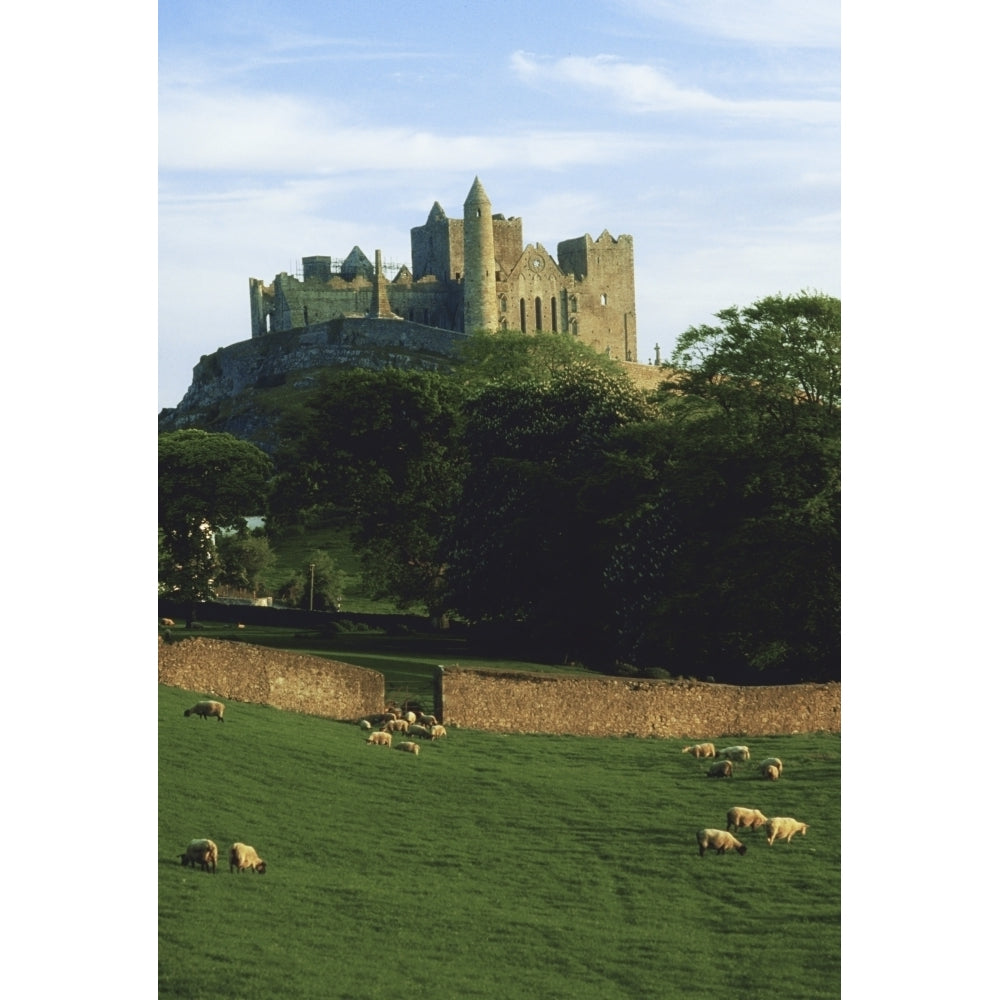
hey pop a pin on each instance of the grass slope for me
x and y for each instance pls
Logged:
(488, 866)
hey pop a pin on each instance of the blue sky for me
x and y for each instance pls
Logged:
(707, 130)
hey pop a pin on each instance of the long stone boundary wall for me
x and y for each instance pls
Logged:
(605, 706)
(503, 701)
(309, 684)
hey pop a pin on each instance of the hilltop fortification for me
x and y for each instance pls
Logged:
(467, 274)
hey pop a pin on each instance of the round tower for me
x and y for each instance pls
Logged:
(480, 261)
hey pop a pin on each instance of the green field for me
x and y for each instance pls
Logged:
(488, 866)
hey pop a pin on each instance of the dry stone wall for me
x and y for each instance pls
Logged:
(605, 706)
(289, 681)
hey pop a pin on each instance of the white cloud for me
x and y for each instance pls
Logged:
(639, 87)
(275, 133)
(783, 23)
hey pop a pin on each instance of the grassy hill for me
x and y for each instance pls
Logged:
(488, 866)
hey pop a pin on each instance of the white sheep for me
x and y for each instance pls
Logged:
(201, 852)
(244, 856)
(735, 753)
(167, 622)
(701, 750)
(772, 762)
(742, 816)
(410, 717)
(427, 720)
(418, 730)
(720, 769)
(396, 726)
(380, 739)
(438, 732)
(409, 747)
(365, 724)
(718, 840)
(783, 827)
(769, 772)
(207, 710)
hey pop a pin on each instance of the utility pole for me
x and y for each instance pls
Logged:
(312, 581)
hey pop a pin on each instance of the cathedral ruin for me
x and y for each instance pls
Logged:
(472, 273)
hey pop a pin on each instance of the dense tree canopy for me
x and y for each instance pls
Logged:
(385, 445)
(529, 535)
(535, 491)
(207, 482)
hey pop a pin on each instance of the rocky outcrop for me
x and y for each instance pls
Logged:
(231, 388)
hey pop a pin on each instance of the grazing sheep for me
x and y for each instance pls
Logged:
(718, 840)
(418, 730)
(201, 852)
(701, 750)
(735, 753)
(410, 717)
(741, 816)
(720, 769)
(380, 739)
(396, 726)
(244, 856)
(775, 761)
(365, 724)
(769, 772)
(167, 622)
(783, 827)
(409, 747)
(438, 732)
(207, 710)
(427, 720)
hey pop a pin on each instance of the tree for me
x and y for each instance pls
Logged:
(207, 482)
(510, 356)
(741, 505)
(782, 349)
(385, 445)
(529, 540)
(317, 586)
(244, 560)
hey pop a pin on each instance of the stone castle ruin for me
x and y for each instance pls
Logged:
(468, 274)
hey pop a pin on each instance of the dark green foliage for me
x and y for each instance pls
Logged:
(318, 585)
(207, 482)
(488, 866)
(537, 495)
(529, 542)
(385, 446)
(244, 560)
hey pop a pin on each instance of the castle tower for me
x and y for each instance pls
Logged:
(480, 261)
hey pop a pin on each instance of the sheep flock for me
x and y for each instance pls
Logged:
(739, 818)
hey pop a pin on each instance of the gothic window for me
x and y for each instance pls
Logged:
(503, 303)
(538, 313)
(572, 303)
(554, 327)
(604, 299)
(524, 319)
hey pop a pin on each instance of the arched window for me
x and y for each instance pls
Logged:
(604, 299)
(503, 303)
(554, 327)
(524, 319)
(538, 313)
